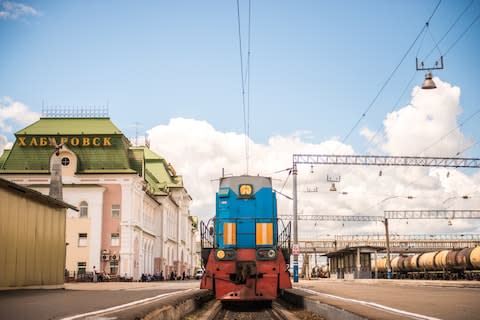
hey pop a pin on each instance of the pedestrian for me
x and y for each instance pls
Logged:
(94, 274)
(183, 275)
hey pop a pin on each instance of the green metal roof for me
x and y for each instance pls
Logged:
(135, 156)
(117, 157)
(159, 174)
(4, 157)
(69, 126)
(114, 157)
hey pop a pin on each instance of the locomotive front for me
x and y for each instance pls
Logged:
(244, 253)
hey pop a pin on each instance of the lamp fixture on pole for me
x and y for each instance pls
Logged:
(428, 83)
(333, 179)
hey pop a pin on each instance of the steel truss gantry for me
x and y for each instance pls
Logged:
(367, 161)
(392, 214)
(395, 236)
(386, 161)
(432, 214)
(332, 217)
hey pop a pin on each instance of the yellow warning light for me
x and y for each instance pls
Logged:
(245, 190)
(220, 254)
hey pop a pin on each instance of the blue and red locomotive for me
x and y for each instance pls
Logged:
(244, 253)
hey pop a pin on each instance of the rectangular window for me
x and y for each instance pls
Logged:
(115, 210)
(264, 234)
(82, 240)
(114, 267)
(115, 239)
(81, 267)
(229, 233)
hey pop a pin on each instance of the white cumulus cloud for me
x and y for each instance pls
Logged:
(199, 152)
(13, 114)
(15, 10)
(4, 144)
(428, 125)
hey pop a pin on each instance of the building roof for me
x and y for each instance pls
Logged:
(117, 156)
(70, 126)
(353, 250)
(92, 159)
(35, 195)
(159, 174)
(4, 156)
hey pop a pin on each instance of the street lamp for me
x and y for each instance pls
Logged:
(428, 82)
(449, 223)
(387, 237)
(456, 197)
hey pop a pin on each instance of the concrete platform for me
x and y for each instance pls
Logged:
(388, 299)
(120, 300)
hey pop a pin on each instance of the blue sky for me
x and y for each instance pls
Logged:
(315, 65)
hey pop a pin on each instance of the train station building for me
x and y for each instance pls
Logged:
(133, 216)
(352, 262)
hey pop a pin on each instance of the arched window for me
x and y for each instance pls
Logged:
(83, 209)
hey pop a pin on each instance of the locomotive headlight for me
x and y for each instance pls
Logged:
(245, 191)
(271, 253)
(220, 254)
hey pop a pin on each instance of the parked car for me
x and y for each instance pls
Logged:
(199, 274)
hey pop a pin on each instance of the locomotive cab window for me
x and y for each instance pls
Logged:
(245, 191)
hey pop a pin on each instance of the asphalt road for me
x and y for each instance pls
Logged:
(79, 298)
(431, 299)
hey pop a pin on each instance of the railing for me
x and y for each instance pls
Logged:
(394, 236)
(284, 238)
(396, 245)
(206, 236)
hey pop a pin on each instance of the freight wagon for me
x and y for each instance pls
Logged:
(444, 264)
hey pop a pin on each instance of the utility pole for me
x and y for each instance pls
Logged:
(387, 239)
(295, 223)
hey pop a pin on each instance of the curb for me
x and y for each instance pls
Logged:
(170, 308)
(302, 300)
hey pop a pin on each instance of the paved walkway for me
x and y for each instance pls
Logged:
(164, 285)
(83, 297)
(408, 299)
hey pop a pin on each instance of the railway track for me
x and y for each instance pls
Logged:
(248, 311)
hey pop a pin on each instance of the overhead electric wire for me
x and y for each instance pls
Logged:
(395, 105)
(469, 147)
(434, 41)
(443, 137)
(477, 111)
(451, 27)
(463, 33)
(248, 72)
(450, 132)
(244, 80)
(426, 57)
(286, 179)
(390, 76)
